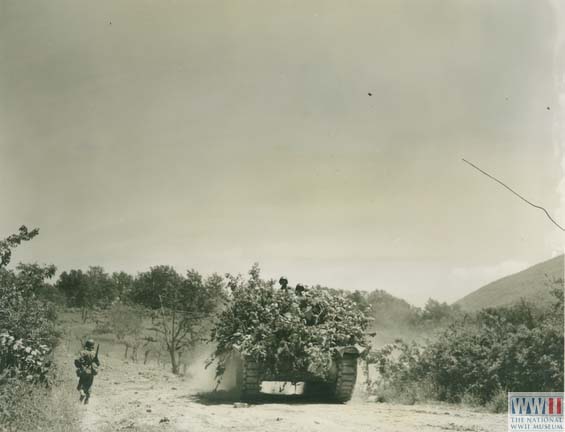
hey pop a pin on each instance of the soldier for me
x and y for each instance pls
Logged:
(284, 283)
(299, 289)
(87, 365)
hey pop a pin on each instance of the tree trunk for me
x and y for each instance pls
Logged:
(179, 361)
(174, 363)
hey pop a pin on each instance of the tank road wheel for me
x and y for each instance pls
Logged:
(249, 380)
(346, 377)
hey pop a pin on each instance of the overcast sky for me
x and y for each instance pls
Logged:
(213, 134)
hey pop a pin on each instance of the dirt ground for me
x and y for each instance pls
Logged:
(133, 397)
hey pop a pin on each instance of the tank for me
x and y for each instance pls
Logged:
(338, 386)
(309, 335)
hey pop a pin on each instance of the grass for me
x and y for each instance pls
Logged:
(420, 393)
(52, 409)
(498, 403)
(32, 408)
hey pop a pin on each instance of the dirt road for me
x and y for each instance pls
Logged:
(133, 397)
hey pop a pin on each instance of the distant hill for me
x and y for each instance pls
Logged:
(533, 284)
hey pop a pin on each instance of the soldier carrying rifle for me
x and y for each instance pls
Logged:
(87, 364)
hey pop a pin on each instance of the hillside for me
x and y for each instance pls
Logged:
(533, 284)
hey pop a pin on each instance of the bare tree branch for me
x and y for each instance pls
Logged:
(163, 318)
(156, 329)
(516, 193)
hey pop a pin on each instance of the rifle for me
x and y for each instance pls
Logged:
(96, 355)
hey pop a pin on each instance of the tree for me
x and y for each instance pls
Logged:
(150, 286)
(27, 329)
(181, 305)
(12, 242)
(75, 287)
(126, 323)
(436, 313)
(23, 311)
(100, 287)
(32, 280)
(123, 284)
(87, 290)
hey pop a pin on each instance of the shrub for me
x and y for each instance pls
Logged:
(27, 330)
(27, 327)
(25, 359)
(401, 374)
(498, 403)
(518, 348)
(27, 407)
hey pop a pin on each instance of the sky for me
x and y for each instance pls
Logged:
(322, 139)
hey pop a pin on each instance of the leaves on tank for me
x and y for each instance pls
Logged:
(283, 331)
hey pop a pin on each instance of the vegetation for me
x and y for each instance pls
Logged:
(30, 407)
(89, 290)
(467, 357)
(13, 241)
(126, 322)
(391, 312)
(27, 327)
(181, 306)
(515, 348)
(284, 331)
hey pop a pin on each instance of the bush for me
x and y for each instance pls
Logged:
(27, 327)
(481, 357)
(28, 407)
(22, 314)
(283, 331)
(402, 374)
(27, 334)
(25, 359)
(498, 403)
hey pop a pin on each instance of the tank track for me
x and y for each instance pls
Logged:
(346, 377)
(250, 380)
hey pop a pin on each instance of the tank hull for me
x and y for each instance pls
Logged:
(337, 386)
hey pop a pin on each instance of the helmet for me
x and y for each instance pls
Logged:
(89, 343)
(283, 280)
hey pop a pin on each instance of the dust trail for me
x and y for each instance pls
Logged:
(204, 379)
